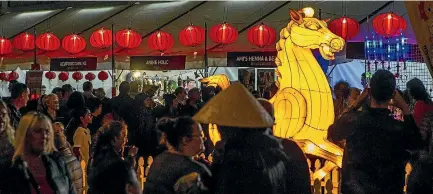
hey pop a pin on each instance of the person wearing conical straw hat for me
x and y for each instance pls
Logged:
(253, 161)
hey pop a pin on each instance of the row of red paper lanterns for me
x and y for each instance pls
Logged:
(9, 76)
(77, 76)
(387, 25)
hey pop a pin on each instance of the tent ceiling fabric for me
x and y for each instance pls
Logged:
(147, 16)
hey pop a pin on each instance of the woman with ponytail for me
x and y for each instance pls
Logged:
(79, 135)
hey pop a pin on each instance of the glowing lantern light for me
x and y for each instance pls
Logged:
(223, 34)
(5, 46)
(192, 36)
(48, 42)
(389, 24)
(160, 41)
(24, 41)
(63, 76)
(345, 27)
(50, 75)
(73, 43)
(13, 76)
(3, 76)
(90, 76)
(102, 75)
(261, 35)
(101, 38)
(128, 39)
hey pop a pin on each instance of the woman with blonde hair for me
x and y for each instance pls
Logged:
(36, 166)
(7, 133)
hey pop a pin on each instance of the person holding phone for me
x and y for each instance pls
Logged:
(375, 151)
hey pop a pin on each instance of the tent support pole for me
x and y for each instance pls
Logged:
(206, 65)
(113, 64)
(35, 60)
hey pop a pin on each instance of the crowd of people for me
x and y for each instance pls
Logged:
(43, 141)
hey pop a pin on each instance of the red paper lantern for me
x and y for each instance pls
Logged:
(102, 75)
(50, 75)
(63, 76)
(90, 76)
(73, 43)
(101, 38)
(192, 36)
(223, 34)
(160, 41)
(24, 41)
(48, 42)
(77, 76)
(389, 24)
(3, 76)
(345, 27)
(128, 39)
(262, 35)
(5, 46)
(13, 76)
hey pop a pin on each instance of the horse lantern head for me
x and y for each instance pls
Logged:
(309, 32)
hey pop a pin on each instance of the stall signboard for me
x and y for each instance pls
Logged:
(251, 59)
(34, 79)
(73, 64)
(157, 63)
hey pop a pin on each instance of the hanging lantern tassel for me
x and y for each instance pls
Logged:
(375, 65)
(369, 66)
(404, 65)
(389, 66)
(383, 64)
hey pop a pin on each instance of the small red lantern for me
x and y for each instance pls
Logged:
(192, 36)
(90, 76)
(345, 27)
(3, 76)
(101, 38)
(24, 41)
(160, 41)
(48, 42)
(5, 46)
(77, 76)
(50, 75)
(73, 43)
(102, 75)
(262, 35)
(63, 76)
(128, 39)
(13, 76)
(389, 24)
(223, 34)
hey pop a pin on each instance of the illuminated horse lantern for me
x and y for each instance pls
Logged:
(303, 104)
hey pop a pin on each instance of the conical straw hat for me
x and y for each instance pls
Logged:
(234, 107)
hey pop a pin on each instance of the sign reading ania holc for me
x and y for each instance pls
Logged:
(73, 64)
(251, 59)
(157, 63)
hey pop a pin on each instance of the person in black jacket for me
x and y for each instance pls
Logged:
(375, 156)
(35, 167)
(109, 150)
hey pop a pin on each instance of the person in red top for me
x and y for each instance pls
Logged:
(423, 104)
